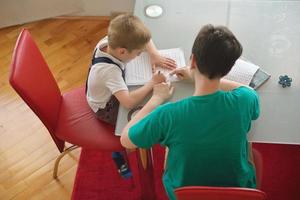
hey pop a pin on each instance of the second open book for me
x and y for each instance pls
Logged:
(139, 71)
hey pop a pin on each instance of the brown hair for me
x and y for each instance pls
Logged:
(216, 49)
(129, 32)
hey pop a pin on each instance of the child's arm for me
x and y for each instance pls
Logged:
(157, 59)
(132, 98)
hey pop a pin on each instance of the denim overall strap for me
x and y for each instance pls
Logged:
(102, 60)
(107, 60)
(110, 112)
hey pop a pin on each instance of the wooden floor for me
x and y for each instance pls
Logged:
(27, 152)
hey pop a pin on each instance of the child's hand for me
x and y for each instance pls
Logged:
(162, 92)
(160, 61)
(158, 78)
(183, 73)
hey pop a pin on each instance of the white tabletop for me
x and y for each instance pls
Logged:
(270, 34)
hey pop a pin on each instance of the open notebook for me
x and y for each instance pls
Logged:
(138, 71)
(247, 73)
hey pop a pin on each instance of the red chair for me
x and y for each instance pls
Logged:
(218, 193)
(67, 116)
(225, 193)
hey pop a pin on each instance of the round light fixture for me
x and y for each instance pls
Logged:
(153, 11)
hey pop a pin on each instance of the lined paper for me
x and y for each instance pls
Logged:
(242, 72)
(139, 71)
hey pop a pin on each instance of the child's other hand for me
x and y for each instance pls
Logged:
(162, 92)
(160, 61)
(183, 73)
(158, 78)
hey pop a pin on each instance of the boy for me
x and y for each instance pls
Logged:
(206, 134)
(106, 88)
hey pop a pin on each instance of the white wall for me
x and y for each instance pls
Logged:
(105, 7)
(13, 12)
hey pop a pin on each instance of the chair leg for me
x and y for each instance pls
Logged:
(66, 151)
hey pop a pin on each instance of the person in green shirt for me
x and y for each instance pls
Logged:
(206, 133)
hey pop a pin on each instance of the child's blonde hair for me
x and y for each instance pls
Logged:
(129, 32)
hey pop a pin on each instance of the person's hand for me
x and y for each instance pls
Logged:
(183, 73)
(158, 78)
(160, 61)
(162, 92)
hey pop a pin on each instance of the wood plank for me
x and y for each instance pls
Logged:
(42, 177)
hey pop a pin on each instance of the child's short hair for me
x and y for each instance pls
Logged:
(129, 32)
(216, 49)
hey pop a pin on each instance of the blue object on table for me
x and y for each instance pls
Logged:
(285, 81)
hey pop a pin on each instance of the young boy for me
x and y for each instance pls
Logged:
(106, 87)
(206, 133)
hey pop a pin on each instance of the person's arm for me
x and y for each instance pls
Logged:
(132, 98)
(161, 92)
(158, 60)
(166, 157)
(250, 154)
(183, 73)
(228, 85)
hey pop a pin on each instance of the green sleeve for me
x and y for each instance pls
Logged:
(254, 103)
(255, 106)
(149, 130)
(252, 98)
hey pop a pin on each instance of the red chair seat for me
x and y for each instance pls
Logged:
(78, 125)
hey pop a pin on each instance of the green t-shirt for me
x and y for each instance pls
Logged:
(206, 136)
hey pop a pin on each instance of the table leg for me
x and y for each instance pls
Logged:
(146, 173)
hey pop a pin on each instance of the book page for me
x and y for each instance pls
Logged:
(138, 71)
(175, 54)
(242, 72)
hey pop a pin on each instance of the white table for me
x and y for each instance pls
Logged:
(270, 34)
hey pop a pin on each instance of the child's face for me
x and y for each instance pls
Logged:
(128, 56)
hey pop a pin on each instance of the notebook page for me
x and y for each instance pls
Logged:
(242, 72)
(138, 71)
(175, 54)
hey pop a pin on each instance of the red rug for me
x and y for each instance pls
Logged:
(97, 177)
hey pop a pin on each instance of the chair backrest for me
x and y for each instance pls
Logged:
(34, 82)
(218, 193)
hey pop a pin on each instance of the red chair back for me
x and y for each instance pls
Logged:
(34, 82)
(218, 193)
